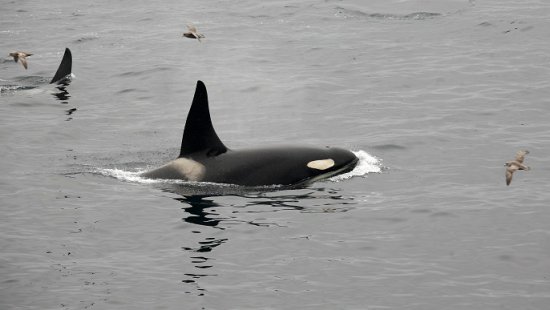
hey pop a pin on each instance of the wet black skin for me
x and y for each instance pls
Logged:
(280, 165)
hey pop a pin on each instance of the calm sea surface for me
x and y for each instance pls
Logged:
(441, 92)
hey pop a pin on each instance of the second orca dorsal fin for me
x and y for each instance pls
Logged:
(64, 68)
(199, 135)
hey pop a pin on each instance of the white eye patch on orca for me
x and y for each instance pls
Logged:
(321, 164)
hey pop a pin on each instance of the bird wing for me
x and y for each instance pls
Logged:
(23, 61)
(509, 173)
(520, 156)
(193, 30)
(510, 169)
(508, 177)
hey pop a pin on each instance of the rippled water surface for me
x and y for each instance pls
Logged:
(435, 95)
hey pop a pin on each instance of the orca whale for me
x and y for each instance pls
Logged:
(204, 158)
(63, 73)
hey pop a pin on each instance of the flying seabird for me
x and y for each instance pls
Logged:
(516, 164)
(21, 57)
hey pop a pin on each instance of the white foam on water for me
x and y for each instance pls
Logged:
(367, 164)
(135, 176)
(131, 176)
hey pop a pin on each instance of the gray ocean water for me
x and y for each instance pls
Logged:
(441, 92)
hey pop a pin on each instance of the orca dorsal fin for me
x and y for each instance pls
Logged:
(64, 68)
(199, 134)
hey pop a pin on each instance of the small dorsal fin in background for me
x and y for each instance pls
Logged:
(199, 134)
(65, 67)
